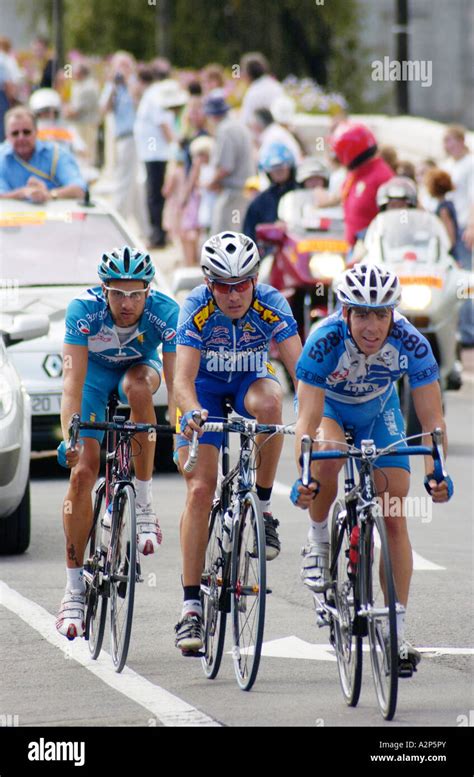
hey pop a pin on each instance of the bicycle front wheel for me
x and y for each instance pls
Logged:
(248, 586)
(381, 614)
(122, 575)
(96, 602)
(347, 644)
(214, 620)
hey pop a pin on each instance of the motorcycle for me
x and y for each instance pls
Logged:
(414, 244)
(307, 252)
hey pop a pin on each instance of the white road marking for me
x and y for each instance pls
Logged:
(168, 709)
(294, 647)
(420, 564)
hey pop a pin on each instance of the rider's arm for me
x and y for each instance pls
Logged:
(188, 360)
(429, 410)
(310, 413)
(75, 360)
(290, 351)
(169, 367)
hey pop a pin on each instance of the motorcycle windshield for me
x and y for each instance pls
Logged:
(298, 210)
(408, 234)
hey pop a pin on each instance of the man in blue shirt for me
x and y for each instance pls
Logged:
(31, 169)
(224, 331)
(112, 335)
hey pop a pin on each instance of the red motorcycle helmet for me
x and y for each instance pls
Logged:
(353, 143)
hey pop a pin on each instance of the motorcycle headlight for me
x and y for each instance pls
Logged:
(416, 297)
(326, 265)
(6, 397)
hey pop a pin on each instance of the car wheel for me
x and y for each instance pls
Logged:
(15, 529)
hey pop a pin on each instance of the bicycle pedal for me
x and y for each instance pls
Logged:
(406, 669)
(269, 591)
(193, 654)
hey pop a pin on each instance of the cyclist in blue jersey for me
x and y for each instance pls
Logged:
(112, 334)
(224, 330)
(347, 375)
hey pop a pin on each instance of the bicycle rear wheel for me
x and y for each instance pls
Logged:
(123, 572)
(248, 586)
(347, 644)
(214, 620)
(381, 619)
(96, 602)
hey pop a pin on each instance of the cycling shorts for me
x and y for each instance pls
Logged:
(380, 420)
(211, 395)
(100, 382)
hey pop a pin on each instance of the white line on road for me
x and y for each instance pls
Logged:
(420, 564)
(294, 647)
(169, 710)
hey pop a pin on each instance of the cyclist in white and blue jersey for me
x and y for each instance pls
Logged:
(347, 375)
(224, 331)
(112, 334)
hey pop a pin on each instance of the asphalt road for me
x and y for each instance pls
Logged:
(48, 681)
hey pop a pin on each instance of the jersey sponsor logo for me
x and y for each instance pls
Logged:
(190, 333)
(154, 319)
(169, 334)
(141, 338)
(280, 328)
(217, 341)
(248, 338)
(248, 327)
(267, 315)
(203, 314)
(83, 326)
(219, 330)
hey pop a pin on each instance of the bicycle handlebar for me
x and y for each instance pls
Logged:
(370, 452)
(75, 425)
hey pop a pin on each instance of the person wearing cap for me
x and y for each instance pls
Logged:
(31, 169)
(355, 146)
(155, 137)
(83, 109)
(347, 375)
(278, 163)
(232, 160)
(46, 105)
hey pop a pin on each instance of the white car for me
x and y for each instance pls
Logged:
(15, 436)
(49, 254)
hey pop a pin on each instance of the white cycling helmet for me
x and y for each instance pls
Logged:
(45, 99)
(399, 188)
(229, 255)
(369, 286)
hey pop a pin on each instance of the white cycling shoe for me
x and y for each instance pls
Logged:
(149, 534)
(315, 569)
(71, 620)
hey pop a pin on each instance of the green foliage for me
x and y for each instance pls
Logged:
(314, 38)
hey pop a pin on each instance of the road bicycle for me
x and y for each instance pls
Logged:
(112, 567)
(361, 600)
(234, 577)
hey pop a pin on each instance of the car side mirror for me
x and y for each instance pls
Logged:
(26, 327)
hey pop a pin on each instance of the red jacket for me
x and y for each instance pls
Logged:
(358, 195)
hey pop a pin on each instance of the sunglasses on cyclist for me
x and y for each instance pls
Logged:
(118, 295)
(17, 132)
(225, 288)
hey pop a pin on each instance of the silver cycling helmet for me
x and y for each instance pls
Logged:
(370, 286)
(398, 188)
(229, 255)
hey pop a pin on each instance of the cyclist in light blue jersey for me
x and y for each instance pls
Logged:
(225, 327)
(112, 335)
(347, 375)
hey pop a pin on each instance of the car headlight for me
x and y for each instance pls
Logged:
(416, 297)
(6, 397)
(326, 265)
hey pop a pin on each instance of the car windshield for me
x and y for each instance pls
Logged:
(298, 209)
(37, 249)
(415, 228)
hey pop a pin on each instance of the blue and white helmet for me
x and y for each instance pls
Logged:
(274, 155)
(126, 264)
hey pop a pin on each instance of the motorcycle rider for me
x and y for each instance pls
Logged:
(399, 192)
(278, 162)
(311, 173)
(356, 148)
